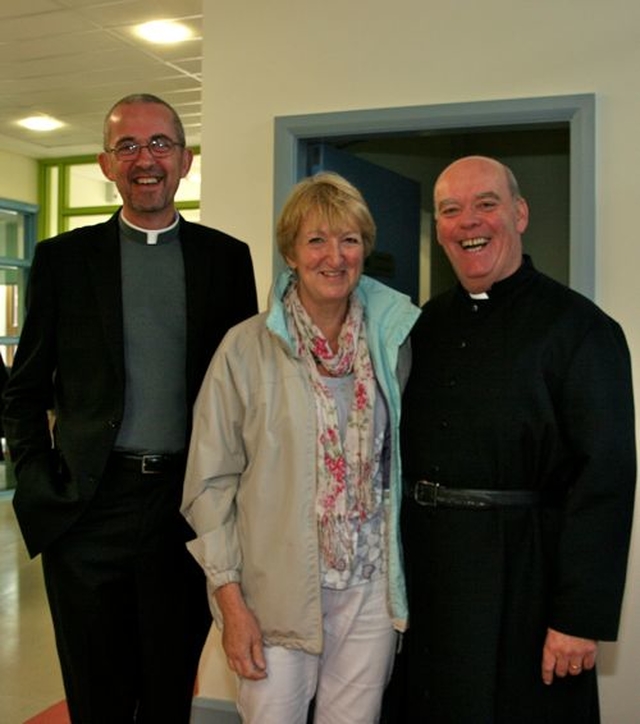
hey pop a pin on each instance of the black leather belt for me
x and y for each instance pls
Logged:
(433, 495)
(148, 463)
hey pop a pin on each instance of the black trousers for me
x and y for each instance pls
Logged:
(128, 603)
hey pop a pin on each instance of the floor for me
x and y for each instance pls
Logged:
(30, 680)
(31, 690)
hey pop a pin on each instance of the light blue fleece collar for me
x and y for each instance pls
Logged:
(392, 312)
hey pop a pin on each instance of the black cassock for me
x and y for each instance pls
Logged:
(529, 389)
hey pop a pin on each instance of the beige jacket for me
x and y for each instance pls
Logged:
(250, 482)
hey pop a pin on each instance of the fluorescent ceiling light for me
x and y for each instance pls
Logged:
(40, 123)
(163, 31)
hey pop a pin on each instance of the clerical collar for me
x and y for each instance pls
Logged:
(504, 286)
(149, 236)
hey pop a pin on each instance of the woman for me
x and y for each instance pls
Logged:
(293, 477)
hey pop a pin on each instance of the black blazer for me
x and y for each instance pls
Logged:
(71, 359)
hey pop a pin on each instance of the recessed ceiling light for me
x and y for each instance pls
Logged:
(163, 31)
(40, 123)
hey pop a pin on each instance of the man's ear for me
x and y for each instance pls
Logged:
(522, 215)
(187, 160)
(104, 159)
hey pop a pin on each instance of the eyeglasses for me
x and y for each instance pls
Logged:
(159, 147)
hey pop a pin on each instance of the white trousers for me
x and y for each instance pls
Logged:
(348, 678)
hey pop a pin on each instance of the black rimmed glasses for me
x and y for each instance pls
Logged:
(158, 147)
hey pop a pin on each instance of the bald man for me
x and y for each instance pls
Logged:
(519, 461)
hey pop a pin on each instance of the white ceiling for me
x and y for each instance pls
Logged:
(72, 59)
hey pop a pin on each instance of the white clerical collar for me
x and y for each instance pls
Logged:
(151, 235)
(480, 295)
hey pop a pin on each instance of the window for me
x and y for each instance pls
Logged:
(17, 240)
(75, 193)
(72, 193)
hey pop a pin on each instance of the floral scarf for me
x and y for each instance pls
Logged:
(344, 472)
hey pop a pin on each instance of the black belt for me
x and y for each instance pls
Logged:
(148, 463)
(433, 495)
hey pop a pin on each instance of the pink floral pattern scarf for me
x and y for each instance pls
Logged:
(344, 471)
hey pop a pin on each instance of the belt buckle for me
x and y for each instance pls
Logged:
(151, 464)
(426, 493)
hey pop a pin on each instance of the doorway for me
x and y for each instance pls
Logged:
(548, 142)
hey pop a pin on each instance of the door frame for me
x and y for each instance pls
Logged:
(292, 133)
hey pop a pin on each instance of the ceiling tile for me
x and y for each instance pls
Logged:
(74, 58)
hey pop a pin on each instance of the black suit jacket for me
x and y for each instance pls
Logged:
(71, 359)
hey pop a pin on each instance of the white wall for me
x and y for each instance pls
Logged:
(289, 57)
(18, 178)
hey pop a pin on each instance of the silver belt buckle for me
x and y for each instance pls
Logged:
(148, 462)
(426, 493)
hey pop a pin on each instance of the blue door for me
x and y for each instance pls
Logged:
(394, 201)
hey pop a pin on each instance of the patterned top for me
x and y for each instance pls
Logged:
(369, 562)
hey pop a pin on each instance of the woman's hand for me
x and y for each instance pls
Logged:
(241, 635)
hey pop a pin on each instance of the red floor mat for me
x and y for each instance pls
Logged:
(56, 714)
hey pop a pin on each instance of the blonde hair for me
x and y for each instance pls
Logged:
(334, 199)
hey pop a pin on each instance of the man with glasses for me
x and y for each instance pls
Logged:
(123, 318)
